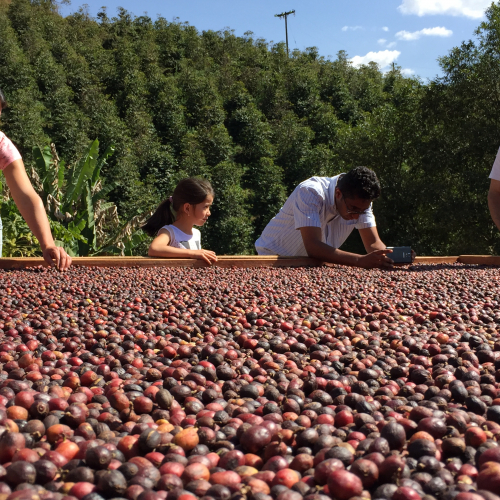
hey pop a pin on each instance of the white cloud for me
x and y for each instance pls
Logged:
(415, 35)
(352, 28)
(383, 58)
(407, 72)
(467, 8)
(385, 28)
(383, 42)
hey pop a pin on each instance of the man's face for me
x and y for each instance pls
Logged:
(346, 206)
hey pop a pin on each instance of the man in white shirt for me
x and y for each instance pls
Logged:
(494, 192)
(319, 216)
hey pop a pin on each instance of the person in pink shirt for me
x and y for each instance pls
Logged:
(27, 200)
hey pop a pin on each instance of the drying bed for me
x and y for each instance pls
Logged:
(317, 383)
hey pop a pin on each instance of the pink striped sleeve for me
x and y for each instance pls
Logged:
(8, 152)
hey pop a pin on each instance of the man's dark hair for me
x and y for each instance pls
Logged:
(360, 182)
(3, 101)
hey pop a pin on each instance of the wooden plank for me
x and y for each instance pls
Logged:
(436, 260)
(489, 260)
(244, 261)
(20, 262)
(225, 261)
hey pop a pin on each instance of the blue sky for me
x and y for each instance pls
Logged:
(411, 33)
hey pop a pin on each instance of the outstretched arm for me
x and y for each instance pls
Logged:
(31, 207)
(160, 248)
(316, 249)
(371, 239)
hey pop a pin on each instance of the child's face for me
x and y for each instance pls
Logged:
(202, 211)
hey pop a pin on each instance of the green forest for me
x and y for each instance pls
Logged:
(161, 101)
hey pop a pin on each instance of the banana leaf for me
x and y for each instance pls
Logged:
(100, 163)
(78, 174)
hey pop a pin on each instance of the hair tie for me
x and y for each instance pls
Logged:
(171, 200)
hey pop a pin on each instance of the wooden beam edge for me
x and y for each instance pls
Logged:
(225, 261)
(488, 260)
(436, 260)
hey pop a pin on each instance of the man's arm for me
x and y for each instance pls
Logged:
(316, 249)
(494, 201)
(371, 239)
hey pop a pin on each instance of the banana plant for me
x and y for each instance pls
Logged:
(17, 239)
(75, 197)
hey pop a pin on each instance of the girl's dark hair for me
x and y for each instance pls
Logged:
(3, 101)
(360, 182)
(192, 190)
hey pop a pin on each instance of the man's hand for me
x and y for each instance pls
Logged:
(316, 249)
(378, 258)
(57, 257)
(207, 255)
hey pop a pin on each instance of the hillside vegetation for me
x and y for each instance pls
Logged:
(177, 102)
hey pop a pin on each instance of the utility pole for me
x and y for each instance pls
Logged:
(285, 15)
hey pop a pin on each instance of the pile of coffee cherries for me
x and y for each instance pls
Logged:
(250, 384)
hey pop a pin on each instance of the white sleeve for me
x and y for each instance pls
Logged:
(366, 220)
(307, 206)
(197, 235)
(495, 171)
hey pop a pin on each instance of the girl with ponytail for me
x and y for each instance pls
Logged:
(173, 221)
